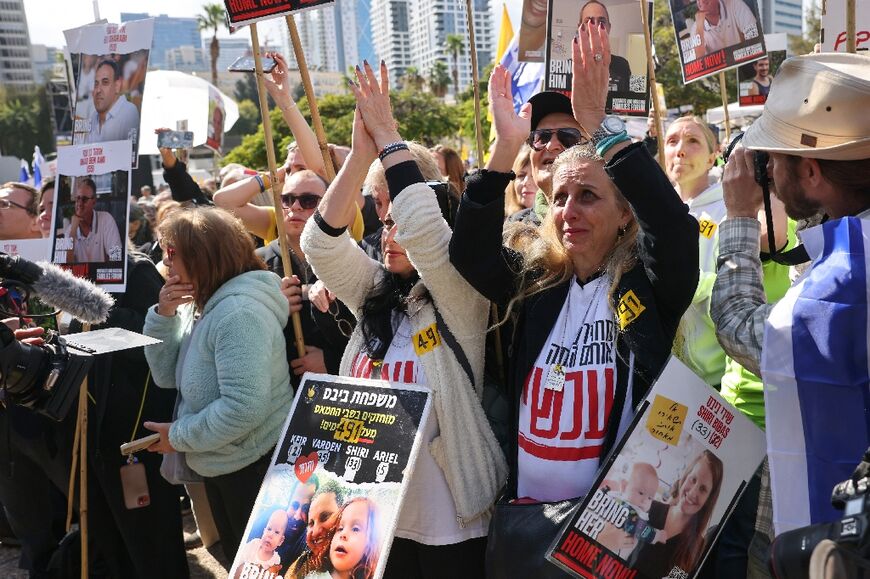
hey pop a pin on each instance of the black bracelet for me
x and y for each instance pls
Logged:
(260, 182)
(392, 148)
(326, 227)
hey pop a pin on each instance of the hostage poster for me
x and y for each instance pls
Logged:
(91, 208)
(754, 79)
(715, 35)
(834, 26)
(629, 89)
(331, 497)
(108, 63)
(661, 497)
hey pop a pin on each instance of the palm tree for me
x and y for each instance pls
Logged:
(455, 44)
(439, 78)
(212, 18)
(412, 78)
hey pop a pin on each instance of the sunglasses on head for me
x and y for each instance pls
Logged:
(306, 200)
(539, 138)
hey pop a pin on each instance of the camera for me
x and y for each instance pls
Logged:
(760, 160)
(791, 551)
(43, 378)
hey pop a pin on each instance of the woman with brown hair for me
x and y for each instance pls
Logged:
(521, 191)
(220, 318)
(451, 166)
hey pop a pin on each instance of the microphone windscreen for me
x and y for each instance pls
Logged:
(78, 297)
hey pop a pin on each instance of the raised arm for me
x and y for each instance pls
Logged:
(236, 198)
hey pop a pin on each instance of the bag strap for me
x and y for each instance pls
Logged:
(141, 407)
(453, 344)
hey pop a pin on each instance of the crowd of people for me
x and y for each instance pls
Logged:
(575, 234)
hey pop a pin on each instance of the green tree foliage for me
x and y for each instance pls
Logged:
(439, 78)
(25, 121)
(249, 118)
(701, 94)
(422, 117)
(812, 32)
(455, 45)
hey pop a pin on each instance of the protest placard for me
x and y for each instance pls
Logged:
(532, 38)
(715, 35)
(629, 86)
(108, 63)
(243, 12)
(346, 453)
(92, 203)
(685, 460)
(753, 79)
(834, 27)
(216, 115)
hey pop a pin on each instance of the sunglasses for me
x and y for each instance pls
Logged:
(306, 200)
(344, 326)
(539, 138)
(296, 505)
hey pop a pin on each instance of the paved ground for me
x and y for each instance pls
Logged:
(203, 564)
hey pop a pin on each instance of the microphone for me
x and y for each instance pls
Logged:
(59, 289)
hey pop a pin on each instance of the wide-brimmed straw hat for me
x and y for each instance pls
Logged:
(818, 107)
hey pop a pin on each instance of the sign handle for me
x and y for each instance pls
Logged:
(273, 180)
(723, 89)
(850, 26)
(316, 124)
(472, 50)
(653, 87)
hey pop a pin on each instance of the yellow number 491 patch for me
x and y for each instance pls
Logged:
(426, 340)
(708, 228)
(629, 309)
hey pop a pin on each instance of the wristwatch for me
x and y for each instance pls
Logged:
(610, 126)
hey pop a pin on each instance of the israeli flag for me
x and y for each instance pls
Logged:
(816, 370)
(526, 77)
(38, 164)
(24, 173)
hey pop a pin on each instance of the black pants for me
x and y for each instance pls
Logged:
(232, 497)
(412, 560)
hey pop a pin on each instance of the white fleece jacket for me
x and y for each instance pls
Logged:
(466, 450)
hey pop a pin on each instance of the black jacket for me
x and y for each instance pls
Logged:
(182, 186)
(662, 282)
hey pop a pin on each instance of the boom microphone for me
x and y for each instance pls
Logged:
(59, 289)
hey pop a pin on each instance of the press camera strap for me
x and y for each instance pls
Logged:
(796, 255)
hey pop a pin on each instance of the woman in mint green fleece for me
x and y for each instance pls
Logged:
(220, 318)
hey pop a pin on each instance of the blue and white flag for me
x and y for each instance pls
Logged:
(816, 370)
(38, 165)
(24, 173)
(526, 77)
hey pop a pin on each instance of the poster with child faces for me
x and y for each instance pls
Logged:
(629, 88)
(91, 207)
(109, 64)
(330, 500)
(681, 466)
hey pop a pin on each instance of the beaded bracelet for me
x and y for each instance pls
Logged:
(606, 144)
(392, 148)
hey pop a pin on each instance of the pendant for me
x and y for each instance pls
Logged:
(555, 379)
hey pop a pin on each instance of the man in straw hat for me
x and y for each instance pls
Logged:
(811, 347)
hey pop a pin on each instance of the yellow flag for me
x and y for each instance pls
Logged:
(505, 35)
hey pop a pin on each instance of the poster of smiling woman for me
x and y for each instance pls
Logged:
(109, 62)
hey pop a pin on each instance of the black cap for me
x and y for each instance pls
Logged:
(548, 102)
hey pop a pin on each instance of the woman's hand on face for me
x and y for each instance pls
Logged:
(509, 126)
(320, 296)
(162, 428)
(173, 294)
(591, 70)
(291, 287)
(312, 361)
(373, 104)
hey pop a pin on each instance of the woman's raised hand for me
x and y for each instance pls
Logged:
(509, 126)
(278, 82)
(591, 70)
(373, 105)
(361, 144)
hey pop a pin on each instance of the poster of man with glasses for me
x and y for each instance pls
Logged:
(90, 214)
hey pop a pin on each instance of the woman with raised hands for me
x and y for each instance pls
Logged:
(597, 294)
(419, 322)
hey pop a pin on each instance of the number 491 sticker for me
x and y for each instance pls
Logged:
(426, 340)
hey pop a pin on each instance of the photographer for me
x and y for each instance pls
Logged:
(813, 341)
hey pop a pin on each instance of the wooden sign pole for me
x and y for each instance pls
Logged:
(316, 124)
(273, 180)
(723, 89)
(850, 26)
(653, 88)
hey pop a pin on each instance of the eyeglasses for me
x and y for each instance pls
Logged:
(539, 138)
(6, 204)
(306, 200)
(84, 199)
(345, 327)
(388, 224)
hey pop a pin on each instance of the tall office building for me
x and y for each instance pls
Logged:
(45, 61)
(781, 16)
(187, 59)
(335, 36)
(433, 20)
(16, 66)
(169, 32)
(391, 33)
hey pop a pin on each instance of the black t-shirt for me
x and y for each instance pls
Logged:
(655, 560)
